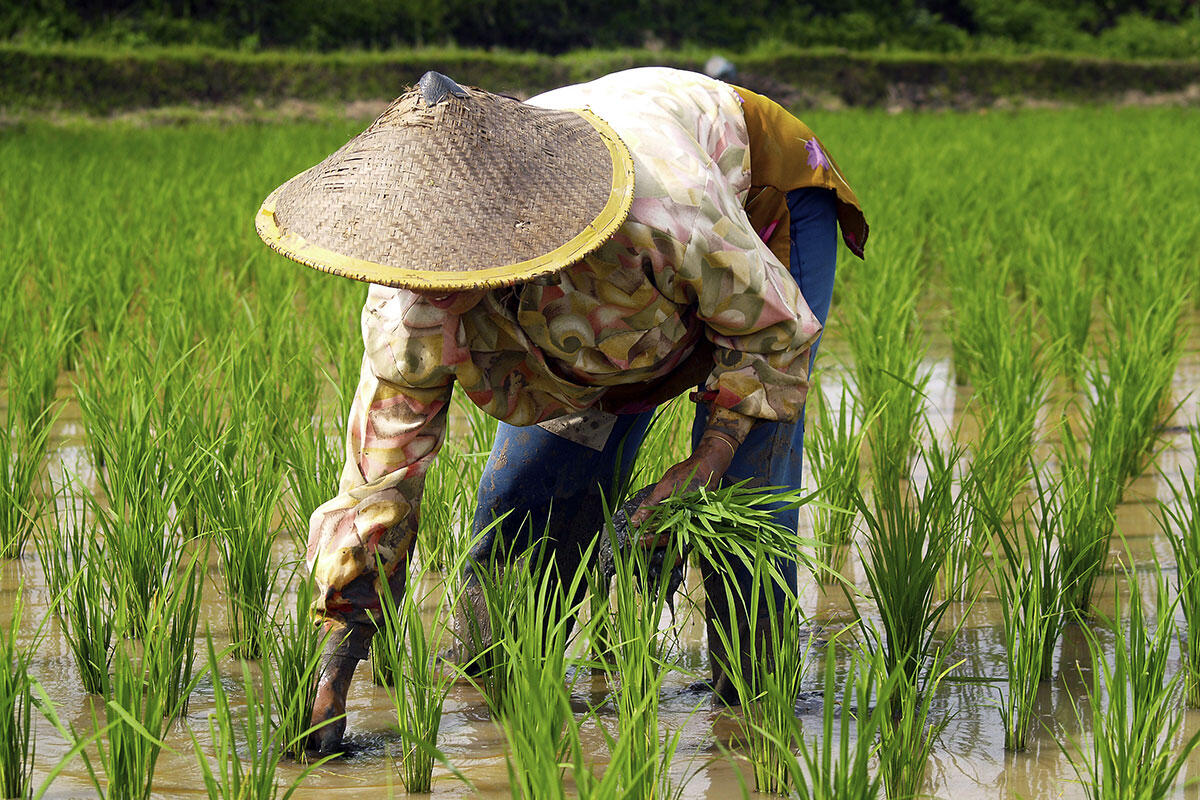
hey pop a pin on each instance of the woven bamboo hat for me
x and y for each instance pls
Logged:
(453, 189)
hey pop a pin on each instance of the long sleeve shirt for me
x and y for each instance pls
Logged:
(687, 273)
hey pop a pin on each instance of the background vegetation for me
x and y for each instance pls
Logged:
(1115, 28)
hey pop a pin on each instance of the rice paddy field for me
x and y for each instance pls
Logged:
(1001, 592)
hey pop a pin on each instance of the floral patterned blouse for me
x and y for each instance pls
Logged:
(688, 272)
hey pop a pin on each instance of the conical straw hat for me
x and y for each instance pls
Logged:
(453, 189)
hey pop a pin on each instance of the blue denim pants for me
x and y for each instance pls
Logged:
(554, 486)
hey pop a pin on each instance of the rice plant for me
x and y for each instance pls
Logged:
(541, 732)
(140, 486)
(486, 616)
(1129, 391)
(34, 361)
(22, 448)
(1064, 295)
(979, 295)
(1090, 492)
(240, 492)
(964, 551)
(838, 762)
(171, 633)
(884, 335)
(138, 708)
(769, 681)
(292, 664)
(835, 446)
(1032, 610)
(247, 745)
(1180, 523)
(908, 734)
(74, 561)
(419, 687)
(314, 464)
(1138, 744)
(17, 746)
(905, 549)
(640, 753)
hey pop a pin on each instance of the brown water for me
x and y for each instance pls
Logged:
(968, 762)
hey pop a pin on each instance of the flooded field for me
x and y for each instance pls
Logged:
(969, 760)
(220, 376)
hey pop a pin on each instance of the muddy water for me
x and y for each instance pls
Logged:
(969, 761)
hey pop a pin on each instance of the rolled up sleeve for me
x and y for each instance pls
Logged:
(394, 431)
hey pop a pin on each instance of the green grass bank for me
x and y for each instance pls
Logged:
(103, 81)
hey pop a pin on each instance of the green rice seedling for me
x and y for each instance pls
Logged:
(139, 485)
(1139, 746)
(885, 338)
(845, 772)
(1031, 606)
(34, 363)
(443, 506)
(247, 745)
(240, 493)
(769, 681)
(835, 445)
(291, 665)
(75, 563)
(138, 709)
(17, 745)
(908, 734)
(174, 614)
(488, 617)
(904, 553)
(540, 735)
(979, 296)
(1131, 389)
(1180, 523)
(635, 663)
(666, 443)
(1064, 293)
(1089, 496)
(314, 464)
(419, 684)
(963, 551)
(22, 447)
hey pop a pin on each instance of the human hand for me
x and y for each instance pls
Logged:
(704, 467)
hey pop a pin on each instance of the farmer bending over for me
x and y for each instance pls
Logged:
(571, 262)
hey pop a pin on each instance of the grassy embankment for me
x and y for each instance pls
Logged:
(101, 80)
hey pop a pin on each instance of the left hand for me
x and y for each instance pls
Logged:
(704, 467)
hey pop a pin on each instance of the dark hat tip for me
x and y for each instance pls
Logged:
(435, 87)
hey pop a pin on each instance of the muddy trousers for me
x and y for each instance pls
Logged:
(556, 488)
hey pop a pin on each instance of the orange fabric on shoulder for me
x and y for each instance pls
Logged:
(784, 155)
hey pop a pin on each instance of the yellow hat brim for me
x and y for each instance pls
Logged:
(593, 235)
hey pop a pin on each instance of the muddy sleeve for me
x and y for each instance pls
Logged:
(393, 433)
